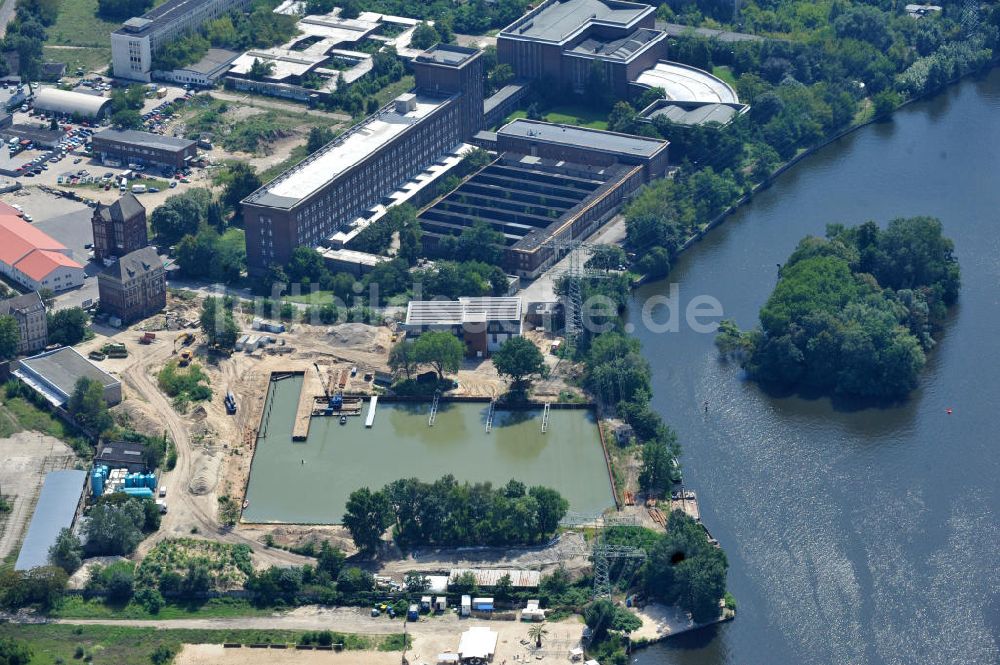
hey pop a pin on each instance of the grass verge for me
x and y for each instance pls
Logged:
(77, 607)
(59, 643)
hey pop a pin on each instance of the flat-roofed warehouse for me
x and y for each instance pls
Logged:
(484, 324)
(54, 511)
(135, 147)
(67, 102)
(53, 375)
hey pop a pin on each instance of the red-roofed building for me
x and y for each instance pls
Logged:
(32, 258)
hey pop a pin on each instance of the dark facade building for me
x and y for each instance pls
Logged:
(551, 183)
(134, 147)
(29, 312)
(133, 287)
(330, 189)
(129, 455)
(119, 228)
(568, 41)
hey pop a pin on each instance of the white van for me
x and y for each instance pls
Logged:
(138, 189)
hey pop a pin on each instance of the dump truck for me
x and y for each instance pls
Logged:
(117, 350)
(147, 338)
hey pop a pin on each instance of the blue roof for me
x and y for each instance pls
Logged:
(54, 511)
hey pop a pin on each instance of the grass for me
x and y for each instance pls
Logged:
(89, 58)
(18, 414)
(79, 25)
(725, 73)
(297, 155)
(76, 607)
(56, 643)
(570, 114)
(393, 90)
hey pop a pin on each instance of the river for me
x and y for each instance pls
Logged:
(853, 536)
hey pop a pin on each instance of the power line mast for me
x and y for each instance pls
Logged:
(970, 16)
(575, 252)
(604, 553)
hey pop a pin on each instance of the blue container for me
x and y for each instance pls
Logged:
(96, 482)
(141, 492)
(151, 481)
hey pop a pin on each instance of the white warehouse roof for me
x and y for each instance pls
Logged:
(69, 102)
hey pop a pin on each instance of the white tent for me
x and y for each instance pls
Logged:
(478, 642)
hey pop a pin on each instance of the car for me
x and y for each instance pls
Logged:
(153, 190)
(89, 245)
(28, 218)
(29, 174)
(78, 160)
(107, 187)
(109, 174)
(185, 180)
(173, 183)
(53, 160)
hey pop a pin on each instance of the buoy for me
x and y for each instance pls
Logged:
(948, 411)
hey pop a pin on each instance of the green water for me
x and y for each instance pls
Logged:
(309, 481)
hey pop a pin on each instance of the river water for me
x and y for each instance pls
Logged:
(853, 536)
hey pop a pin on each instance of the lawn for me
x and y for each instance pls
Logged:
(726, 74)
(79, 25)
(58, 643)
(570, 114)
(90, 59)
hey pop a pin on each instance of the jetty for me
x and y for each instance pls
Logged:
(311, 386)
(370, 418)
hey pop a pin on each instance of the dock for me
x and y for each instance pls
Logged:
(370, 418)
(687, 502)
(311, 386)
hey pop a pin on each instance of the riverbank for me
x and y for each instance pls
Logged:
(802, 155)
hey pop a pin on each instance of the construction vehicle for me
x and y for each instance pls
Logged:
(116, 350)
(147, 338)
(230, 402)
(334, 402)
(186, 356)
(185, 338)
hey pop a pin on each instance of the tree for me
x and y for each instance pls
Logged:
(606, 257)
(126, 119)
(416, 582)
(122, 9)
(424, 36)
(403, 357)
(504, 588)
(441, 350)
(218, 324)
(87, 405)
(368, 516)
(114, 528)
(410, 243)
(536, 633)
(657, 465)
(260, 69)
(518, 358)
(330, 559)
(243, 181)
(599, 616)
(10, 336)
(13, 652)
(67, 326)
(66, 552)
(318, 137)
(180, 215)
(163, 654)
(480, 242)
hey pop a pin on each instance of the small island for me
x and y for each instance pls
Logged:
(853, 314)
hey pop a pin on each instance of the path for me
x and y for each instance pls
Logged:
(248, 100)
(6, 15)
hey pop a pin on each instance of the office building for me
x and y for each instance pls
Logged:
(483, 324)
(329, 190)
(133, 287)
(28, 311)
(129, 146)
(568, 41)
(135, 44)
(119, 228)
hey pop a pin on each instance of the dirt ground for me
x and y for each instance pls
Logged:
(216, 654)
(25, 458)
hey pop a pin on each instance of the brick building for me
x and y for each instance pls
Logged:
(330, 189)
(133, 287)
(119, 228)
(133, 147)
(29, 312)
(566, 41)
